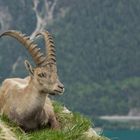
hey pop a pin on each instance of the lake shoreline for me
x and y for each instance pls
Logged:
(120, 118)
(118, 122)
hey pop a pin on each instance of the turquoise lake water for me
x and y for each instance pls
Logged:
(122, 134)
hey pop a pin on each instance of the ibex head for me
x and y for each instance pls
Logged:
(45, 78)
(44, 75)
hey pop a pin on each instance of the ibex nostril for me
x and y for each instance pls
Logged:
(61, 86)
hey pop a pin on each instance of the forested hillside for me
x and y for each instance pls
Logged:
(98, 50)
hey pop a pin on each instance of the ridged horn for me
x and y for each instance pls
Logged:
(33, 49)
(50, 47)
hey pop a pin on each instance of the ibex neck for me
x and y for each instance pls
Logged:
(32, 86)
(33, 92)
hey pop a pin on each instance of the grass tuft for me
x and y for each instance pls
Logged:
(73, 127)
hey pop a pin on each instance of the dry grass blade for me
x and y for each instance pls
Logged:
(6, 133)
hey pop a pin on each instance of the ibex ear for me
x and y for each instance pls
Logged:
(29, 67)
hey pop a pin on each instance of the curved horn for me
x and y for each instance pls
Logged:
(50, 47)
(33, 49)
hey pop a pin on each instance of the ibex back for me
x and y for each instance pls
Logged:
(26, 101)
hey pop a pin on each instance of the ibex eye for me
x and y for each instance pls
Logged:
(42, 74)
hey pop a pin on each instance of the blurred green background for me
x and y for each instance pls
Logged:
(98, 50)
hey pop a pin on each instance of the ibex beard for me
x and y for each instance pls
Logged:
(25, 101)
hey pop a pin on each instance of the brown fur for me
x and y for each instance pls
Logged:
(26, 101)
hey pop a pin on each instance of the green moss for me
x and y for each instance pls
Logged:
(73, 126)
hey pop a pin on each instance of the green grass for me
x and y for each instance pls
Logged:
(73, 126)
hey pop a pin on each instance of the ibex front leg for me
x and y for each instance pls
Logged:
(49, 115)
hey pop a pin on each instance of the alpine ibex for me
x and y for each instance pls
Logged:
(26, 101)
